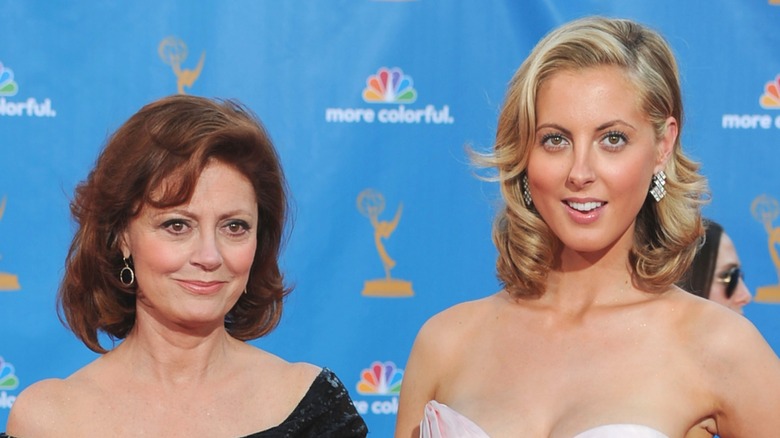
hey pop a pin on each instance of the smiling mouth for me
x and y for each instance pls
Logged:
(201, 287)
(201, 283)
(584, 207)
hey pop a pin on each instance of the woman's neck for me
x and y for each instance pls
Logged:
(175, 355)
(583, 280)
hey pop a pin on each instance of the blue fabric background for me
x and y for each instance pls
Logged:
(73, 71)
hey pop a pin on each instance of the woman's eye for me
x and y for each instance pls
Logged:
(614, 140)
(175, 226)
(554, 141)
(237, 227)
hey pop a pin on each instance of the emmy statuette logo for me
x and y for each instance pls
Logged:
(7, 281)
(173, 52)
(371, 204)
(765, 209)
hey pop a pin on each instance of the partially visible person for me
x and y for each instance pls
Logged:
(180, 225)
(589, 335)
(716, 272)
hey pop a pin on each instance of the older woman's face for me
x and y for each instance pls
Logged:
(192, 261)
(728, 259)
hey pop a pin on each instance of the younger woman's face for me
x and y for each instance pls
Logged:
(727, 260)
(593, 157)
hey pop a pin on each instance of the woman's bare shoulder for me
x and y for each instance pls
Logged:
(270, 364)
(725, 340)
(48, 406)
(706, 319)
(450, 330)
(275, 375)
(740, 369)
(38, 409)
(462, 316)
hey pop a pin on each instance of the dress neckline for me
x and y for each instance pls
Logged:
(441, 421)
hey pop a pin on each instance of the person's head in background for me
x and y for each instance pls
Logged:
(716, 272)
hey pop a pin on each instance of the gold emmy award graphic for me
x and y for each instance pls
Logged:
(766, 209)
(173, 52)
(7, 281)
(371, 204)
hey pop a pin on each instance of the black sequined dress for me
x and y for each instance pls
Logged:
(325, 411)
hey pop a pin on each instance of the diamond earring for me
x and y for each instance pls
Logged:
(657, 187)
(526, 191)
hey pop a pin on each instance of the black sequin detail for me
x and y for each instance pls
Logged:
(325, 411)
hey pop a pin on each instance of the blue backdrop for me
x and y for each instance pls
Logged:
(370, 104)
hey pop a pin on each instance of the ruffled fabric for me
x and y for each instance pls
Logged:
(440, 421)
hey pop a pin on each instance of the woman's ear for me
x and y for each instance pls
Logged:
(666, 143)
(123, 240)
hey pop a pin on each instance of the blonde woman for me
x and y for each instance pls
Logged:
(589, 336)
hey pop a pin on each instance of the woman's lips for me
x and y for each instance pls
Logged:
(584, 212)
(201, 287)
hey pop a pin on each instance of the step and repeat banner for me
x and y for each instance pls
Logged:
(371, 104)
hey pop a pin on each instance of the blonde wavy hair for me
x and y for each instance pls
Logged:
(666, 232)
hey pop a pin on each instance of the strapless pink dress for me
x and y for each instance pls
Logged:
(440, 421)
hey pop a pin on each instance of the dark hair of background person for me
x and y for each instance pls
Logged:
(698, 279)
(155, 159)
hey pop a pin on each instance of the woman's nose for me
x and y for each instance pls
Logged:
(581, 173)
(206, 253)
(742, 294)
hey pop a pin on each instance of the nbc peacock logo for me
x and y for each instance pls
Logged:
(8, 382)
(8, 87)
(380, 379)
(30, 107)
(771, 97)
(768, 100)
(390, 85)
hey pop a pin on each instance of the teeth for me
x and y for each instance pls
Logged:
(584, 206)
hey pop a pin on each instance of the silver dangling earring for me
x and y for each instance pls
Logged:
(526, 191)
(657, 187)
(126, 275)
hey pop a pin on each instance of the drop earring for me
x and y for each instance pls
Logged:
(657, 186)
(526, 190)
(126, 275)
